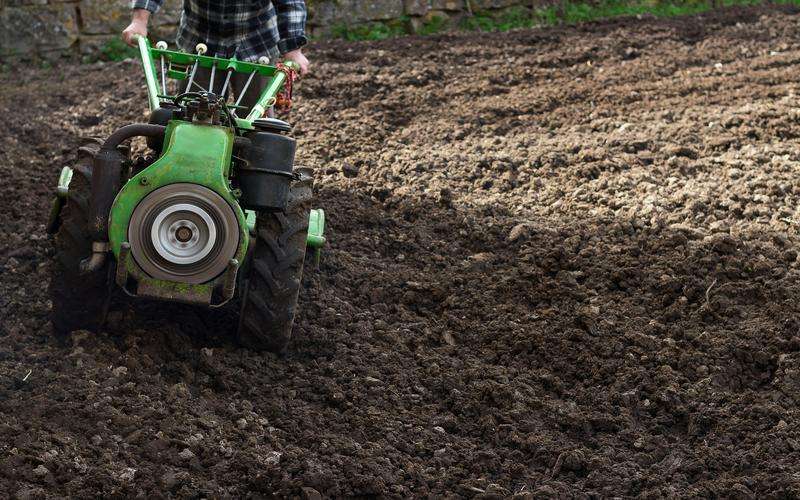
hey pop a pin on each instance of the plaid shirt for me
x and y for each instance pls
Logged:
(247, 29)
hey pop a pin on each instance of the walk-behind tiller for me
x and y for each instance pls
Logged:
(215, 212)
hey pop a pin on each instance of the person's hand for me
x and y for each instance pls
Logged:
(137, 28)
(298, 57)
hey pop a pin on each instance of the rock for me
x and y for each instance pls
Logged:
(719, 226)
(688, 231)
(328, 317)
(127, 474)
(37, 30)
(310, 493)
(373, 10)
(41, 471)
(721, 242)
(448, 338)
(119, 371)
(482, 257)
(682, 151)
(178, 391)
(349, 12)
(194, 439)
(478, 5)
(134, 437)
(372, 380)
(630, 53)
(173, 479)
(273, 458)
(451, 5)
(439, 429)
(521, 232)
(416, 7)
(566, 278)
(241, 423)
(96, 440)
(99, 19)
(186, 454)
(349, 170)
(445, 197)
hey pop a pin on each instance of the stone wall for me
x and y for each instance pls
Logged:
(51, 28)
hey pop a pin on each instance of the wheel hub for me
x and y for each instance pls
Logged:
(183, 232)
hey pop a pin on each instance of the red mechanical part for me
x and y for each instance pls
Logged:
(283, 101)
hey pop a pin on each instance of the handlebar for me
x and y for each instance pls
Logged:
(281, 75)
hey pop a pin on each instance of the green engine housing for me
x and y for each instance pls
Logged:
(195, 154)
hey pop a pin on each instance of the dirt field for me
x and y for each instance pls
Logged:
(563, 263)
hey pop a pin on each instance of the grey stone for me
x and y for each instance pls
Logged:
(450, 5)
(350, 12)
(169, 14)
(40, 471)
(376, 10)
(103, 17)
(310, 493)
(493, 4)
(416, 7)
(100, 17)
(25, 30)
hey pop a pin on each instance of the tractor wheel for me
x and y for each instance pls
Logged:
(79, 299)
(273, 277)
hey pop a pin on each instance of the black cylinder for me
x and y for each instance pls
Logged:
(160, 116)
(106, 180)
(107, 175)
(266, 173)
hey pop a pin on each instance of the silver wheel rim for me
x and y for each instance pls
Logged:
(168, 225)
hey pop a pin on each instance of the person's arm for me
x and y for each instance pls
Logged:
(292, 31)
(139, 19)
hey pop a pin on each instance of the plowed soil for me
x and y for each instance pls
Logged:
(562, 262)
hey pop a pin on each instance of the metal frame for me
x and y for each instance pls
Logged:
(172, 58)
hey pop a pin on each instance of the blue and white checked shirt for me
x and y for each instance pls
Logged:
(247, 29)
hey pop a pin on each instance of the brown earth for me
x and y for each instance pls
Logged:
(562, 262)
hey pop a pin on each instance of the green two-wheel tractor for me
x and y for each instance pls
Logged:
(215, 211)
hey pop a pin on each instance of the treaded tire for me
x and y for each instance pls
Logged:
(273, 277)
(79, 300)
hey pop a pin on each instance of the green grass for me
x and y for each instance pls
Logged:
(433, 26)
(570, 12)
(116, 50)
(372, 31)
(574, 13)
(389, 29)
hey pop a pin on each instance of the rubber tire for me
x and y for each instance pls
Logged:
(79, 299)
(275, 271)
